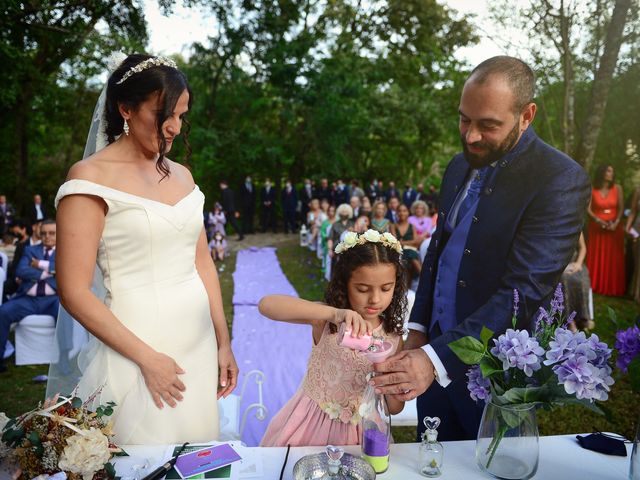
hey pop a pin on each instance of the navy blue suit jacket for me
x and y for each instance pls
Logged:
(289, 200)
(523, 234)
(31, 275)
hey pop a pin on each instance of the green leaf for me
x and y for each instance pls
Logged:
(468, 349)
(111, 471)
(108, 411)
(613, 316)
(488, 368)
(485, 336)
(634, 374)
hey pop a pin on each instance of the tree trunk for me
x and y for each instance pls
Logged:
(568, 112)
(602, 84)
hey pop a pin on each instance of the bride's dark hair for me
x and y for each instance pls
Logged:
(137, 88)
(368, 254)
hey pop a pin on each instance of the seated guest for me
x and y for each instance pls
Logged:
(379, 221)
(21, 231)
(355, 206)
(365, 207)
(405, 232)
(392, 210)
(577, 287)
(342, 224)
(37, 294)
(362, 224)
(420, 219)
(315, 217)
(218, 247)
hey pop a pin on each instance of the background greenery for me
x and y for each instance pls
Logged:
(336, 88)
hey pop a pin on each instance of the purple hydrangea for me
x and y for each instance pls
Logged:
(628, 346)
(581, 364)
(584, 379)
(479, 387)
(515, 348)
(557, 304)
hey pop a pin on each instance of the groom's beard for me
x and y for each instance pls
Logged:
(493, 152)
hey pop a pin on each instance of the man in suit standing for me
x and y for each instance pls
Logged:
(229, 206)
(511, 212)
(392, 191)
(268, 203)
(37, 294)
(307, 192)
(248, 196)
(409, 196)
(38, 212)
(372, 191)
(324, 192)
(6, 215)
(289, 198)
(342, 193)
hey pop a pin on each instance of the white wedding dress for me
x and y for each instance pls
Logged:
(147, 258)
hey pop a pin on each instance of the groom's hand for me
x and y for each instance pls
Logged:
(405, 375)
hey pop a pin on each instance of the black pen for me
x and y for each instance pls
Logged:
(162, 470)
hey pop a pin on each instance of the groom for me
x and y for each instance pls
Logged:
(511, 210)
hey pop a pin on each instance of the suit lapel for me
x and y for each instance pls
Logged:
(455, 178)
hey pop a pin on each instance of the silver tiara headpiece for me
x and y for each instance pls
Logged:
(148, 63)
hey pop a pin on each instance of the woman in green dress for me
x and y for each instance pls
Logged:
(379, 221)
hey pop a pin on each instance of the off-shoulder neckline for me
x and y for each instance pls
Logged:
(168, 205)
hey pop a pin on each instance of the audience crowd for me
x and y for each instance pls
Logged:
(606, 260)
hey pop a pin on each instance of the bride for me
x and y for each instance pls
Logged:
(161, 350)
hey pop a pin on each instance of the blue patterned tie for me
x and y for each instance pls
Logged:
(475, 187)
(40, 289)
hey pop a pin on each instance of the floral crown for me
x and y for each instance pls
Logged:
(351, 239)
(145, 64)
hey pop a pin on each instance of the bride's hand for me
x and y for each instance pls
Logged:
(160, 374)
(228, 371)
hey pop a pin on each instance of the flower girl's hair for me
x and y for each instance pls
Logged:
(366, 254)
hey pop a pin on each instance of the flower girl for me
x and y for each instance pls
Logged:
(367, 294)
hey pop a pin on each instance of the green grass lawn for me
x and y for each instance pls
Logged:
(18, 392)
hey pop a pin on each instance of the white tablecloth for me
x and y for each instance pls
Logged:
(561, 458)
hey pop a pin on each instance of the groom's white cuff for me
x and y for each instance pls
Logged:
(442, 377)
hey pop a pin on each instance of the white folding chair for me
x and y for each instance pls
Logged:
(231, 425)
(3, 278)
(35, 340)
(4, 261)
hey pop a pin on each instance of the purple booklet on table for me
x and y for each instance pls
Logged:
(205, 460)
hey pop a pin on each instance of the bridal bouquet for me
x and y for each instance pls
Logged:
(61, 435)
(547, 368)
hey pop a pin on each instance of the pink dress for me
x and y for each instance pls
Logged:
(324, 410)
(421, 225)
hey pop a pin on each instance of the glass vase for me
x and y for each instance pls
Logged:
(507, 444)
(634, 468)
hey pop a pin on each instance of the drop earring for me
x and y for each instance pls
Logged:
(125, 127)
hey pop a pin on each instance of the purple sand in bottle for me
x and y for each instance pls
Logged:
(376, 443)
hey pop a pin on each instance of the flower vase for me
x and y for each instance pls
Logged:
(507, 444)
(634, 468)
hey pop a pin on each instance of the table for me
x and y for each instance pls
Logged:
(561, 458)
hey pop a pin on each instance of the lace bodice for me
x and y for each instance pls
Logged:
(336, 376)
